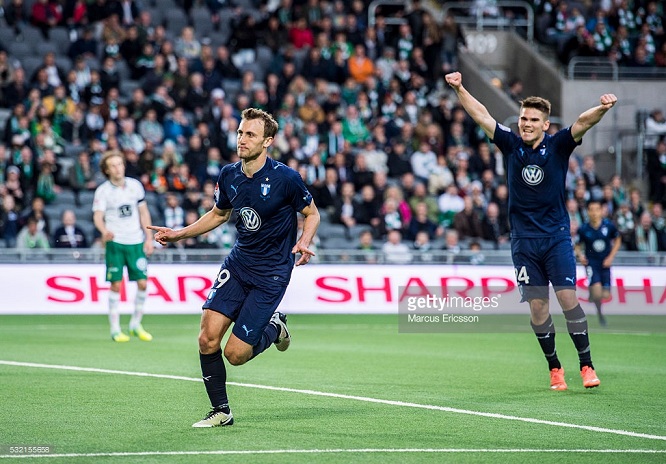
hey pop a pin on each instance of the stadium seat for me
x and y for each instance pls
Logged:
(63, 62)
(43, 48)
(31, 35)
(127, 86)
(7, 35)
(60, 37)
(30, 64)
(87, 227)
(66, 198)
(202, 21)
(175, 20)
(21, 50)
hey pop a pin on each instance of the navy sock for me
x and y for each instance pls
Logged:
(215, 379)
(269, 336)
(577, 327)
(545, 334)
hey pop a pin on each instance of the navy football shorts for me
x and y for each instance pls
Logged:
(540, 261)
(250, 304)
(596, 273)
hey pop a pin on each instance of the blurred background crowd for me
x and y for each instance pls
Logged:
(393, 162)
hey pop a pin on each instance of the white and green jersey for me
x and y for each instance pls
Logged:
(120, 206)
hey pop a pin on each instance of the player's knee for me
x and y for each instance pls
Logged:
(235, 358)
(208, 345)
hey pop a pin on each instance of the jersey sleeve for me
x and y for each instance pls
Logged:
(505, 139)
(299, 195)
(139, 191)
(99, 200)
(564, 143)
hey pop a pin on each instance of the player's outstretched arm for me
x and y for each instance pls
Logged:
(144, 218)
(310, 225)
(474, 107)
(209, 221)
(592, 116)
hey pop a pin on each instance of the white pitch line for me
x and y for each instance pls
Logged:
(332, 451)
(348, 397)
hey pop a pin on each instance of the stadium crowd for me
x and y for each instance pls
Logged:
(389, 156)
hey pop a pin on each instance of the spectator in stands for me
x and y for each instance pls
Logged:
(658, 219)
(177, 127)
(450, 203)
(592, 182)
(367, 248)
(46, 181)
(187, 46)
(17, 16)
(423, 162)
(243, 40)
(660, 56)
(13, 186)
(452, 39)
(16, 91)
(68, 234)
(468, 222)
(174, 215)
(30, 237)
(655, 129)
(9, 220)
(368, 209)
(300, 34)
(656, 167)
(82, 175)
(354, 130)
(452, 242)
(46, 15)
(396, 252)
(515, 88)
(360, 66)
(423, 246)
(646, 237)
(625, 222)
(420, 222)
(494, 229)
(636, 205)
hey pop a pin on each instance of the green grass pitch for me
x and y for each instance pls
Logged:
(350, 389)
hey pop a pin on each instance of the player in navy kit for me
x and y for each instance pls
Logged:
(599, 242)
(541, 246)
(266, 195)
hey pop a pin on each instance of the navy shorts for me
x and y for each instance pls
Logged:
(597, 273)
(247, 302)
(540, 261)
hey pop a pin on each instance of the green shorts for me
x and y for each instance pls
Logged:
(118, 256)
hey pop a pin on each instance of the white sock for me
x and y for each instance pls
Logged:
(138, 309)
(114, 316)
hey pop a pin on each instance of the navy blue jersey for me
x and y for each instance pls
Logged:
(598, 242)
(266, 206)
(536, 181)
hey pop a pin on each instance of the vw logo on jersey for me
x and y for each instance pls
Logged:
(532, 174)
(251, 219)
(599, 245)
